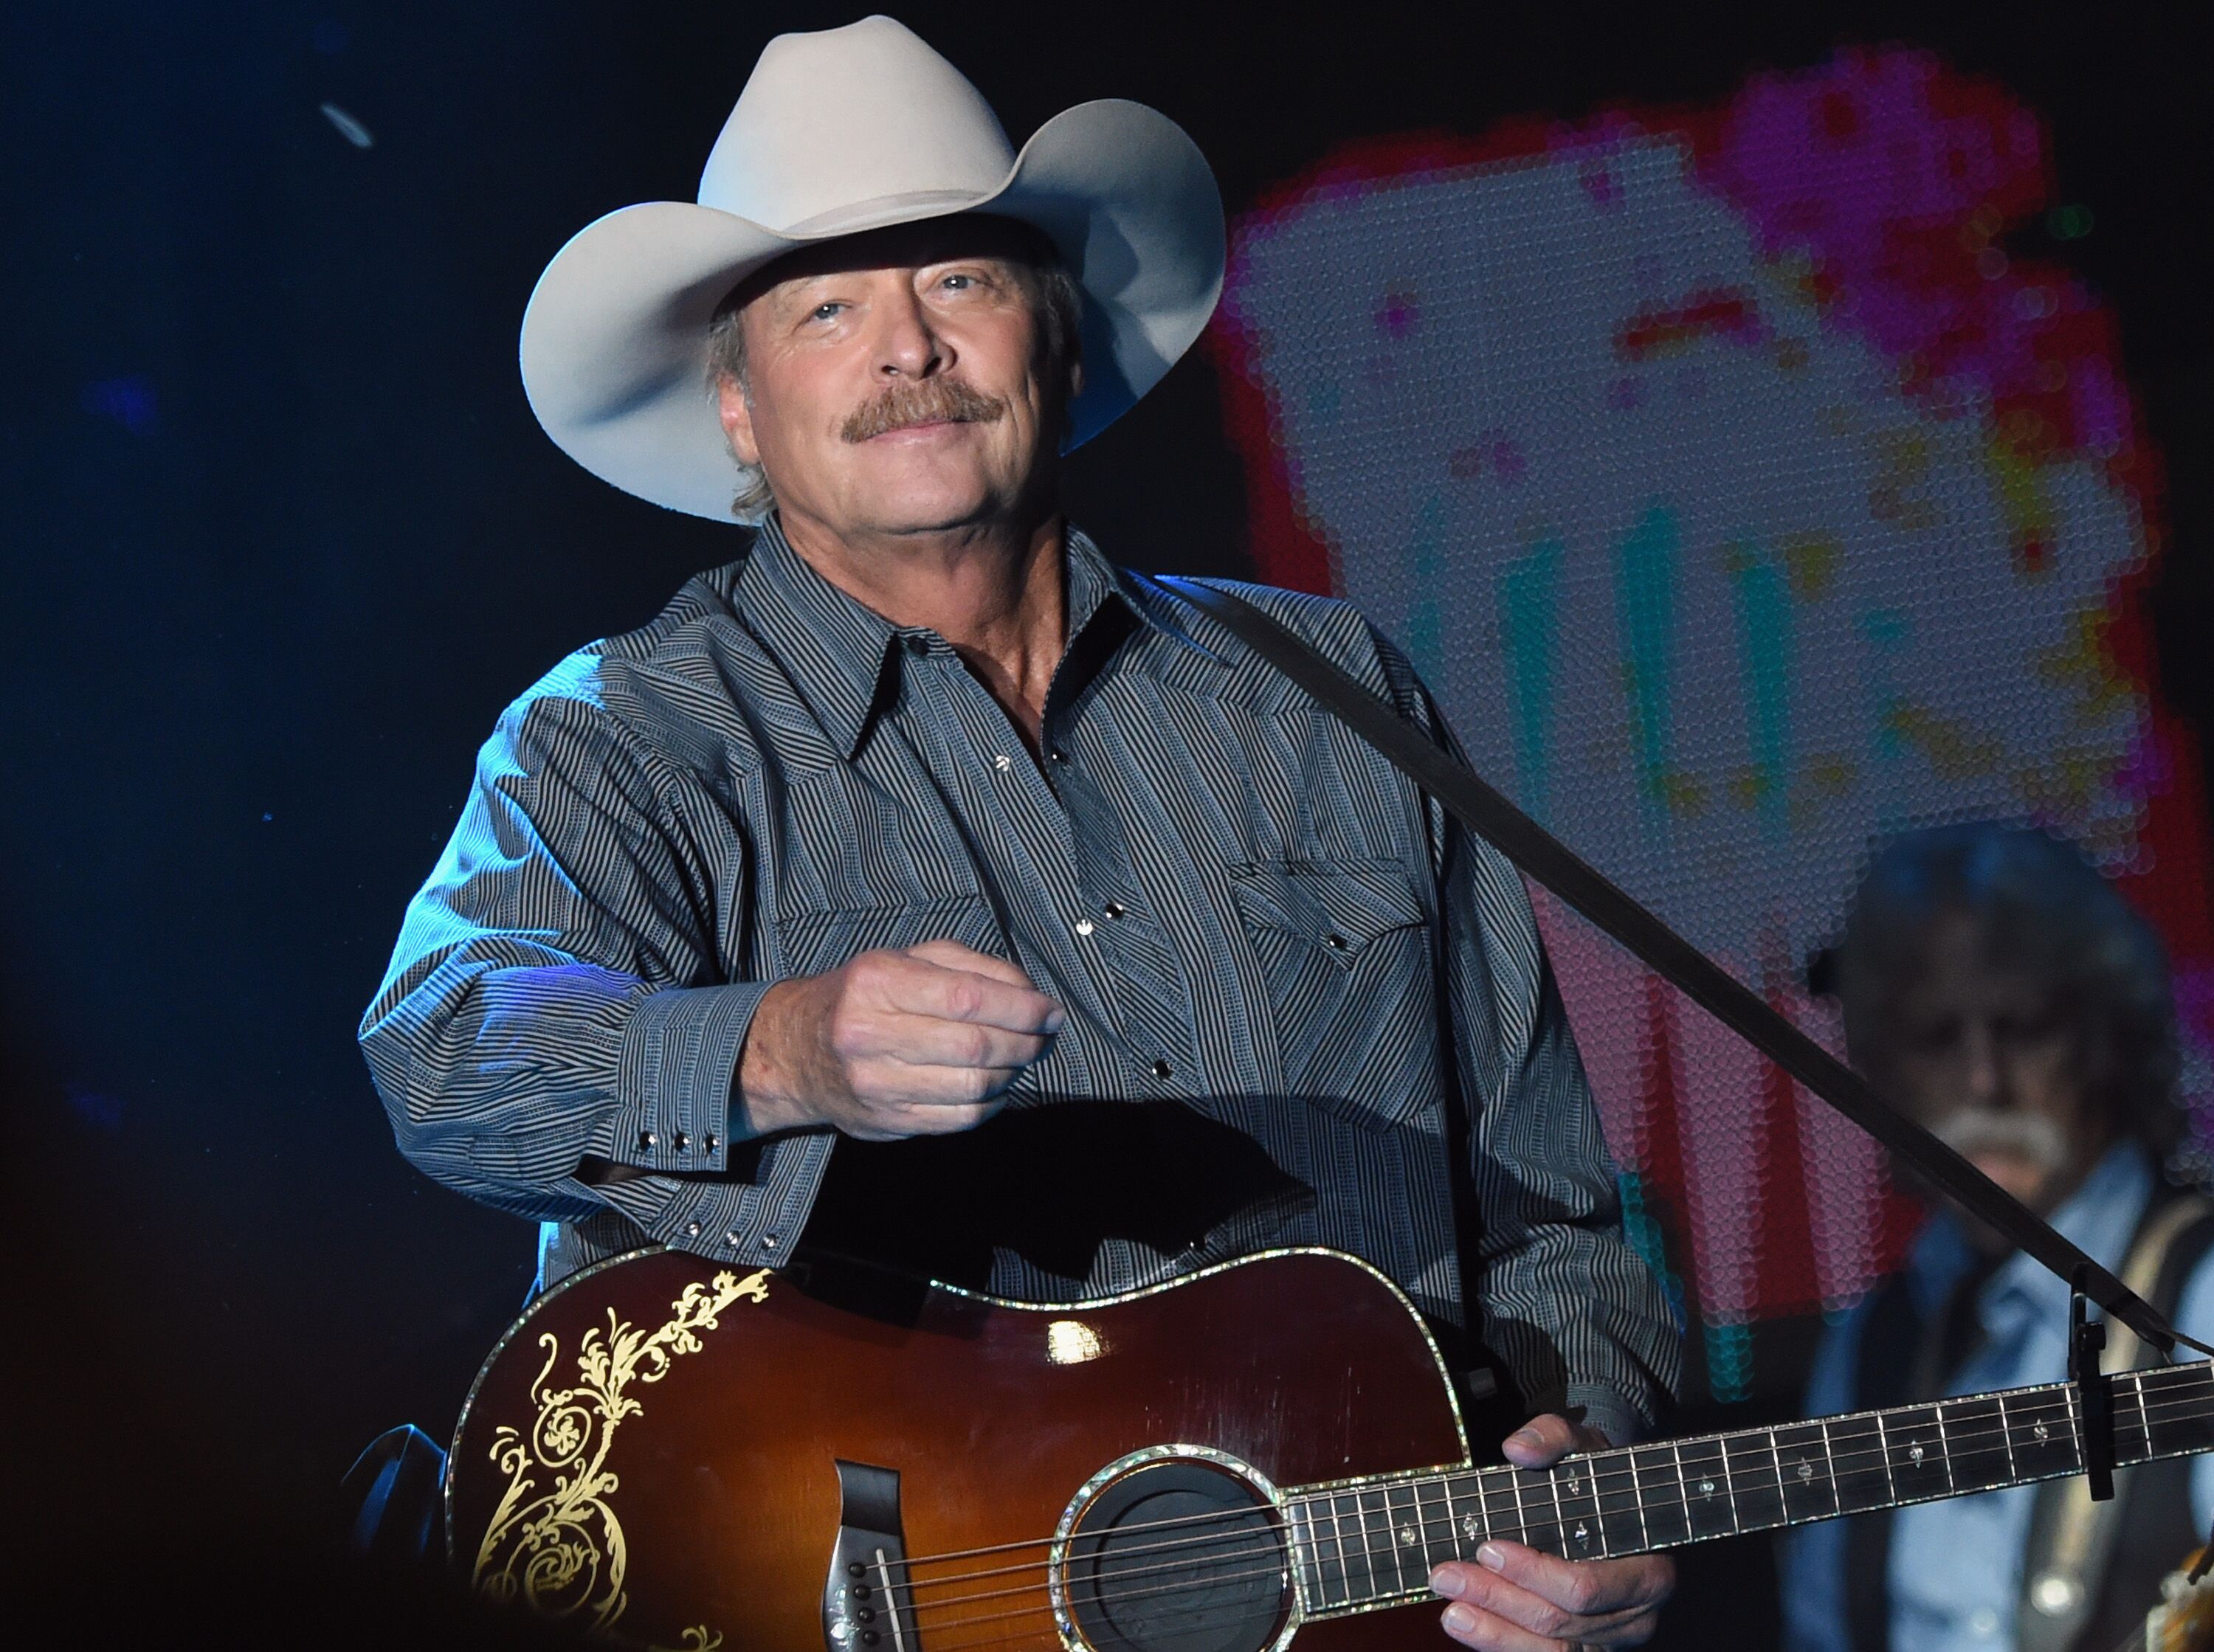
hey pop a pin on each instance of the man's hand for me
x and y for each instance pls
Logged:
(1517, 1599)
(918, 1042)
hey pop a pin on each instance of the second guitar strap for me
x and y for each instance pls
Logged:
(1486, 812)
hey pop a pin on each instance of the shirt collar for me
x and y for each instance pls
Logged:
(2098, 1218)
(843, 656)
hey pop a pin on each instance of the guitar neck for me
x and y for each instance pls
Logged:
(1374, 1543)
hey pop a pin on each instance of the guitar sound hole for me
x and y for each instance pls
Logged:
(1177, 1557)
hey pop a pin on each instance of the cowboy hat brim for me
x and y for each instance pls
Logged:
(614, 339)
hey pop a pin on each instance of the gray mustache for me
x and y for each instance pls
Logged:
(924, 401)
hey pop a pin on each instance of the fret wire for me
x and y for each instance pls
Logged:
(1829, 1456)
(1311, 1549)
(1599, 1513)
(1376, 1589)
(1392, 1538)
(1453, 1521)
(1422, 1529)
(2183, 1392)
(1683, 1487)
(1399, 1544)
(1497, 1515)
(1754, 1440)
(1637, 1500)
(1344, 1584)
(1337, 1536)
(1560, 1515)
(1391, 1545)
(1591, 1473)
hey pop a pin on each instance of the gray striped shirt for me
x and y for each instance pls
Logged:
(1303, 1007)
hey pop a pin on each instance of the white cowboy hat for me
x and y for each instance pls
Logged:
(835, 132)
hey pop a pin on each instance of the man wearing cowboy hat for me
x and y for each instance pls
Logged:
(924, 885)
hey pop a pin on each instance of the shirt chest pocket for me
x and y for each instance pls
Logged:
(1343, 950)
(819, 940)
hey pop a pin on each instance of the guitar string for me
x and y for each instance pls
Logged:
(1425, 1521)
(1548, 1478)
(1559, 1523)
(1278, 1565)
(2049, 1395)
(1279, 1562)
(1274, 1549)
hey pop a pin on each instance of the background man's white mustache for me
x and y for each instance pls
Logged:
(2029, 1136)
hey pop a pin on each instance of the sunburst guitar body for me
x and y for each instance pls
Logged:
(678, 1454)
(683, 1454)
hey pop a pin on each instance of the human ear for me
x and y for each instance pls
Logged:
(735, 410)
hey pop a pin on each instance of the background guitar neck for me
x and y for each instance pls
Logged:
(1373, 1542)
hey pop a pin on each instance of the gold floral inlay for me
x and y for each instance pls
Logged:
(561, 1550)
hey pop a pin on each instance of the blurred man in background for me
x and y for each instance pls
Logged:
(1999, 988)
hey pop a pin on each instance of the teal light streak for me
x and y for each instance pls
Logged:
(1425, 565)
(1529, 590)
(1645, 616)
(1765, 652)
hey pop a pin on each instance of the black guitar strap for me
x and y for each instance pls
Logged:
(1541, 856)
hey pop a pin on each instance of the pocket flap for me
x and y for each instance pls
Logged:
(1339, 905)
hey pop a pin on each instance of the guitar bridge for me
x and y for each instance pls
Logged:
(865, 1599)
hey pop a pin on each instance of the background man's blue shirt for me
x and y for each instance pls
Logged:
(1955, 1567)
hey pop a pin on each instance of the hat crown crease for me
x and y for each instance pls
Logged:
(846, 115)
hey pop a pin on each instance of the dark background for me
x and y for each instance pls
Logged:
(283, 538)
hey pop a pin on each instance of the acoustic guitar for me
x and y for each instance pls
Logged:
(2183, 1619)
(684, 1454)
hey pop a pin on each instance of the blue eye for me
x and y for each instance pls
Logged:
(824, 311)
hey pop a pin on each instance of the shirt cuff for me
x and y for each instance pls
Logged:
(1607, 1412)
(674, 1073)
(754, 1223)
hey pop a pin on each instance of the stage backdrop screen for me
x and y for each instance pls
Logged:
(1745, 497)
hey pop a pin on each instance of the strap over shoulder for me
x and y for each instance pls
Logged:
(1486, 811)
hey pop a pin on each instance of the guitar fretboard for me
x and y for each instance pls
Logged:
(1374, 1543)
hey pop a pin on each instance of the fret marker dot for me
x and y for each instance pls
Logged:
(1469, 1528)
(1583, 1537)
(1805, 1471)
(1407, 1537)
(2038, 1430)
(1706, 1488)
(1914, 1454)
